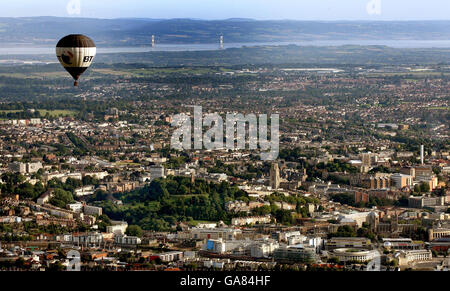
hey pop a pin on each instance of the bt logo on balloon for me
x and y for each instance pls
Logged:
(88, 59)
(74, 7)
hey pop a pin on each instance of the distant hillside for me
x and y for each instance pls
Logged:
(292, 54)
(131, 32)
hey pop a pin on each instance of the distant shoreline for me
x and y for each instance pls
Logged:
(20, 49)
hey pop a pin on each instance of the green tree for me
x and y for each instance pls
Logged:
(134, 230)
(343, 231)
(424, 187)
(61, 198)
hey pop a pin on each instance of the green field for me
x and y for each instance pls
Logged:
(150, 72)
(118, 164)
(439, 108)
(414, 74)
(43, 112)
(37, 75)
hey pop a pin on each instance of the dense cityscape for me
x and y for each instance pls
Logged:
(362, 173)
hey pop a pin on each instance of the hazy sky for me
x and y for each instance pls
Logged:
(222, 9)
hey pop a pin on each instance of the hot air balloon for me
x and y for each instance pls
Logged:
(76, 52)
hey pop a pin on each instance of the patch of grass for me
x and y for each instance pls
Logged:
(126, 164)
(160, 71)
(439, 108)
(43, 112)
(57, 113)
(415, 74)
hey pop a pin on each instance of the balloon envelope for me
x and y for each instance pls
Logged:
(76, 52)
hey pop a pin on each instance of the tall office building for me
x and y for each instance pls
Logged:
(275, 176)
